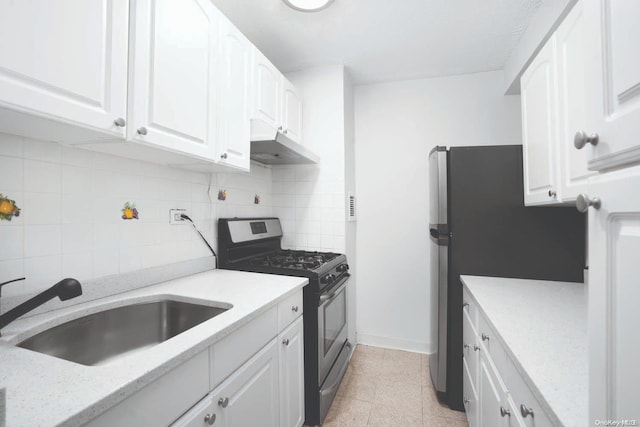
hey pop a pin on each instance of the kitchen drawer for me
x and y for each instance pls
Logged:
(231, 352)
(489, 339)
(289, 310)
(177, 390)
(469, 307)
(522, 395)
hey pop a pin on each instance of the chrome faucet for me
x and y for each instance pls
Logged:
(64, 289)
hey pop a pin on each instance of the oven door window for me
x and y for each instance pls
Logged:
(335, 319)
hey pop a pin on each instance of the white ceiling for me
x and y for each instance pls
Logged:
(385, 40)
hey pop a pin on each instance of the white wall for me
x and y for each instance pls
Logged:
(71, 226)
(309, 199)
(396, 125)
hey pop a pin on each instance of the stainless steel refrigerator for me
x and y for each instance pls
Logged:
(479, 225)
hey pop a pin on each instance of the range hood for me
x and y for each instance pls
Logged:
(272, 147)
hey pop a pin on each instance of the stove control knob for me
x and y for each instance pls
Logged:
(329, 278)
(342, 268)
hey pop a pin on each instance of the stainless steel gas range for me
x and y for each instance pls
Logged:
(254, 244)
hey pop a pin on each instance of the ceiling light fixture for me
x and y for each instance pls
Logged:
(308, 5)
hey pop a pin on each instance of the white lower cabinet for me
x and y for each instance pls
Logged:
(495, 394)
(490, 392)
(292, 375)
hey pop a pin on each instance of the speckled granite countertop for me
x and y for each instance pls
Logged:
(44, 391)
(543, 327)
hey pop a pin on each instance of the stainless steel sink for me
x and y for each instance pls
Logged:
(110, 334)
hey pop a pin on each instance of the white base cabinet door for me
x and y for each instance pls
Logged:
(66, 60)
(613, 82)
(292, 375)
(469, 395)
(249, 397)
(614, 247)
(234, 97)
(173, 76)
(491, 393)
(540, 127)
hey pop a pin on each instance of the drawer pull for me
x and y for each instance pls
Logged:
(526, 411)
(294, 308)
(476, 347)
(505, 412)
(485, 337)
(210, 419)
(223, 402)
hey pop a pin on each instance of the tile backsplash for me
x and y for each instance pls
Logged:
(71, 201)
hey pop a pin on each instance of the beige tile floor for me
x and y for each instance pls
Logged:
(385, 387)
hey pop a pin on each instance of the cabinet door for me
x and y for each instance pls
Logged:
(292, 375)
(613, 81)
(267, 90)
(539, 127)
(66, 60)
(572, 169)
(614, 245)
(204, 414)
(173, 76)
(469, 396)
(470, 348)
(249, 397)
(235, 91)
(490, 393)
(291, 111)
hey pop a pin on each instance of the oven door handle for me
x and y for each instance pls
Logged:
(335, 385)
(326, 297)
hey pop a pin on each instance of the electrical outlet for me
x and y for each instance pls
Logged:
(174, 216)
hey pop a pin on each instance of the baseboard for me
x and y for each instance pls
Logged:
(393, 343)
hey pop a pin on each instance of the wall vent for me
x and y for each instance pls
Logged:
(351, 203)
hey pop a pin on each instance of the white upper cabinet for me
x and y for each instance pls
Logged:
(235, 93)
(540, 127)
(173, 75)
(66, 60)
(291, 111)
(267, 87)
(572, 163)
(613, 82)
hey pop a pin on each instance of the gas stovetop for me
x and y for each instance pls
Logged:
(290, 259)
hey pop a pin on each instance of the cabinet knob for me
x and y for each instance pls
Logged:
(285, 341)
(465, 345)
(485, 337)
(280, 128)
(505, 412)
(583, 202)
(581, 139)
(294, 308)
(526, 411)
(223, 402)
(466, 401)
(120, 122)
(552, 193)
(285, 131)
(465, 304)
(476, 347)
(223, 156)
(210, 419)
(142, 131)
